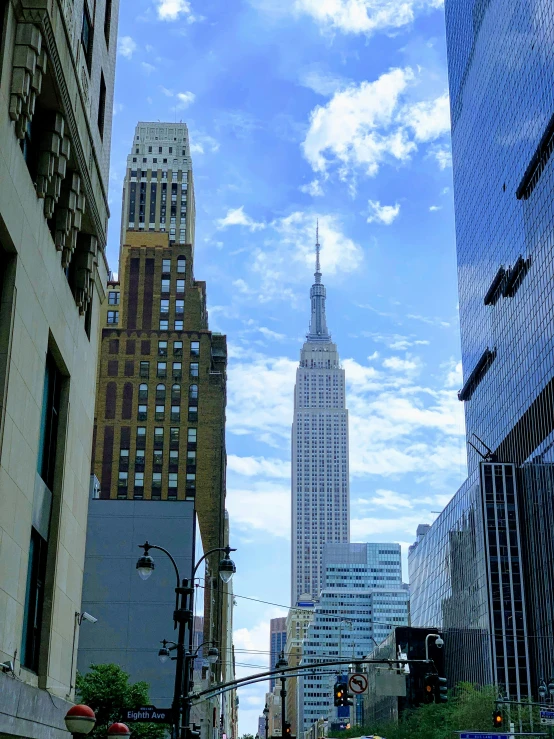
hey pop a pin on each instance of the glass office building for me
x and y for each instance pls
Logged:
(495, 535)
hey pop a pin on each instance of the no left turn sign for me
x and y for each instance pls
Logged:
(357, 683)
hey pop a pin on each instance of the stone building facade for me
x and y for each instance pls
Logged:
(57, 63)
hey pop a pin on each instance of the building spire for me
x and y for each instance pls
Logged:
(318, 323)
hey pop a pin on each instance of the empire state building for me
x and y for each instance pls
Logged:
(320, 474)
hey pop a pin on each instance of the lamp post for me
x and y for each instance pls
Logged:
(282, 662)
(266, 716)
(183, 615)
(438, 643)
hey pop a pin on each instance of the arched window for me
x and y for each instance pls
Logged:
(160, 392)
(143, 391)
(127, 405)
(181, 265)
(193, 392)
(176, 393)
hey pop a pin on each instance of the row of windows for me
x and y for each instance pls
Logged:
(179, 285)
(161, 369)
(161, 392)
(159, 436)
(157, 458)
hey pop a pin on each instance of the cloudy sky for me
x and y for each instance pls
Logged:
(297, 110)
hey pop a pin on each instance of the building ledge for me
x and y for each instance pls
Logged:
(27, 711)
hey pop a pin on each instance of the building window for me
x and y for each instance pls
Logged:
(86, 37)
(191, 484)
(107, 21)
(179, 307)
(191, 438)
(141, 437)
(176, 394)
(162, 369)
(141, 415)
(177, 370)
(166, 266)
(194, 348)
(193, 392)
(194, 369)
(49, 419)
(164, 325)
(160, 392)
(175, 413)
(156, 484)
(139, 459)
(180, 287)
(172, 485)
(178, 325)
(113, 297)
(166, 286)
(193, 413)
(101, 105)
(34, 601)
(158, 458)
(191, 458)
(177, 348)
(144, 369)
(123, 459)
(162, 348)
(173, 460)
(160, 413)
(181, 265)
(174, 437)
(158, 437)
(122, 483)
(139, 485)
(113, 316)
(164, 307)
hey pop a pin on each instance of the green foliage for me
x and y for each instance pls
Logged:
(247, 736)
(469, 708)
(106, 689)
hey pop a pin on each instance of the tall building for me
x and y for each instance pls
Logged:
(320, 473)
(298, 620)
(277, 642)
(502, 141)
(362, 600)
(56, 99)
(160, 412)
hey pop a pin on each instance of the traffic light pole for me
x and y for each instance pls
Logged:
(283, 707)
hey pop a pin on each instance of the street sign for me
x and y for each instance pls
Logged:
(547, 717)
(483, 735)
(151, 714)
(357, 683)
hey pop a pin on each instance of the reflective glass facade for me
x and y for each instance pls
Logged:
(466, 580)
(501, 66)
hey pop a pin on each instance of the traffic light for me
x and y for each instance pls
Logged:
(340, 695)
(429, 688)
(348, 701)
(441, 696)
(192, 732)
(287, 730)
(497, 719)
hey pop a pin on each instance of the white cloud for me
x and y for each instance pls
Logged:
(313, 188)
(202, 142)
(237, 217)
(264, 508)
(172, 10)
(118, 108)
(362, 16)
(148, 68)
(269, 334)
(168, 93)
(434, 208)
(126, 46)
(258, 466)
(397, 364)
(320, 82)
(382, 213)
(366, 125)
(443, 155)
(185, 99)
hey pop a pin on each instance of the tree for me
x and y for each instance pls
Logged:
(106, 689)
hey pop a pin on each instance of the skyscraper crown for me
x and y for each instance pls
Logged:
(318, 323)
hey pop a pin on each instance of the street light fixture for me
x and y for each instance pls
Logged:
(438, 643)
(281, 664)
(183, 616)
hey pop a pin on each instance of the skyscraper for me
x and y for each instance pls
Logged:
(277, 641)
(363, 598)
(497, 592)
(320, 477)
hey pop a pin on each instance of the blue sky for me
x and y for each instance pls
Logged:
(297, 110)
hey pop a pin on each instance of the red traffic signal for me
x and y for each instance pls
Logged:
(497, 719)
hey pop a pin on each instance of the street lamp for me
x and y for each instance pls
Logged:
(439, 643)
(282, 663)
(165, 652)
(183, 616)
(266, 716)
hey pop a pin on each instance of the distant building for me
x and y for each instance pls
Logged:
(261, 727)
(56, 102)
(277, 641)
(320, 475)
(363, 599)
(298, 620)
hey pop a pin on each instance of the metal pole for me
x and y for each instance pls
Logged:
(266, 714)
(283, 707)
(181, 617)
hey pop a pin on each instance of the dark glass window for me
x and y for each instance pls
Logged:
(144, 369)
(178, 348)
(86, 36)
(102, 105)
(113, 316)
(107, 21)
(162, 348)
(34, 601)
(194, 348)
(48, 437)
(113, 297)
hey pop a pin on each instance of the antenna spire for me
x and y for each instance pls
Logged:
(317, 273)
